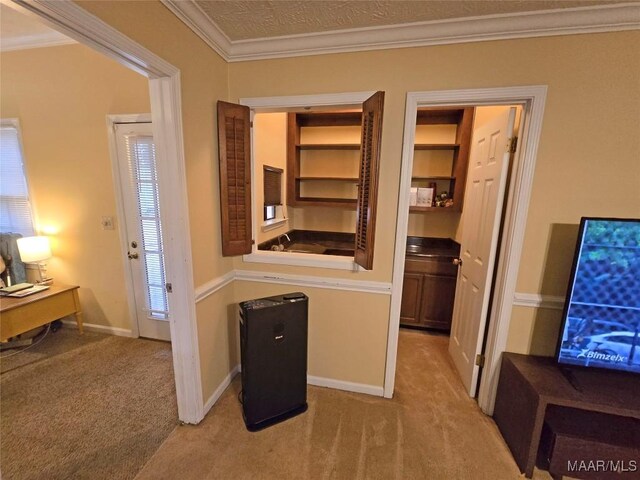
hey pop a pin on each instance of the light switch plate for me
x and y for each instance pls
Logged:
(107, 223)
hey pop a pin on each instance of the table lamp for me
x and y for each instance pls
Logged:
(35, 250)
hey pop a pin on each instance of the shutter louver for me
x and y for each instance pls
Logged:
(372, 110)
(15, 206)
(272, 186)
(235, 178)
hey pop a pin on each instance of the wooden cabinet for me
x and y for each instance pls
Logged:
(441, 154)
(411, 295)
(428, 293)
(323, 156)
(436, 310)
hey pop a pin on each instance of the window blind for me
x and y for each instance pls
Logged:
(272, 186)
(142, 165)
(15, 207)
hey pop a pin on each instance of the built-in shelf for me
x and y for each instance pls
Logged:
(462, 119)
(332, 169)
(328, 146)
(327, 202)
(433, 179)
(436, 146)
(417, 209)
(332, 179)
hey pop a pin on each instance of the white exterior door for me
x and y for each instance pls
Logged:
(489, 161)
(139, 189)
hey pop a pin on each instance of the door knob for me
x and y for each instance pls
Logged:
(457, 261)
(132, 256)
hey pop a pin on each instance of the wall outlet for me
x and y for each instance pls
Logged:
(107, 223)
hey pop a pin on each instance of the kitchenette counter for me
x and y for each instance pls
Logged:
(429, 282)
(312, 241)
(432, 247)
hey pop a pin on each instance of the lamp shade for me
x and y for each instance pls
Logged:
(34, 249)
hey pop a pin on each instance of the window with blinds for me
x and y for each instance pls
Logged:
(142, 165)
(272, 186)
(15, 206)
(272, 180)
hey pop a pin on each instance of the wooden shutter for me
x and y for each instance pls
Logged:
(368, 183)
(272, 185)
(234, 152)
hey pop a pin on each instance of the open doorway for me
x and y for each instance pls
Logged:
(462, 160)
(460, 205)
(164, 92)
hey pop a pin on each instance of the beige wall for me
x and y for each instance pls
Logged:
(204, 81)
(593, 98)
(61, 96)
(347, 334)
(589, 141)
(270, 143)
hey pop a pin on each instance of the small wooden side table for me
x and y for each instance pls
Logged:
(19, 315)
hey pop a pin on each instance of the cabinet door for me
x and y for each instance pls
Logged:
(411, 293)
(438, 293)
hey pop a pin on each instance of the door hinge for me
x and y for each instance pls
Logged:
(168, 287)
(480, 360)
(513, 144)
(251, 124)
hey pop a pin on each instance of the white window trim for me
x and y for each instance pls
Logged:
(15, 123)
(274, 223)
(279, 104)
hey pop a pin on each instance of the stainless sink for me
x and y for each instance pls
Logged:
(305, 248)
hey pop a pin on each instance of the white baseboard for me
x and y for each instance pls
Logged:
(346, 386)
(311, 380)
(221, 388)
(92, 327)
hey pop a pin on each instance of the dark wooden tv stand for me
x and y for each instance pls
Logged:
(531, 387)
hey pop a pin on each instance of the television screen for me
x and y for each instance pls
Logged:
(601, 318)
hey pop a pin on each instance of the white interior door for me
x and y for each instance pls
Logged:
(489, 161)
(139, 188)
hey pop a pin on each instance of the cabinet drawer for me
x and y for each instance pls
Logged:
(432, 267)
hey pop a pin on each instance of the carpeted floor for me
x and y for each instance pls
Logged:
(430, 430)
(97, 411)
(48, 344)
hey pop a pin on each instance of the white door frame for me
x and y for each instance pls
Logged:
(532, 99)
(166, 111)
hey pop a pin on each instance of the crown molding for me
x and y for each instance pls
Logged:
(570, 21)
(51, 39)
(192, 15)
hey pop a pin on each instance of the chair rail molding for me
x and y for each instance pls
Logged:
(536, 300)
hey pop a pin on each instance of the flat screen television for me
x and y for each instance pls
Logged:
(601, 317)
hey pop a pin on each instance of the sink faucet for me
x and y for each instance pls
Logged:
(283, 235)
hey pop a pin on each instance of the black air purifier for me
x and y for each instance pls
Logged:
(273, 349)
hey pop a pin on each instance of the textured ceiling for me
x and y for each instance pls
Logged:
(250, 19)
